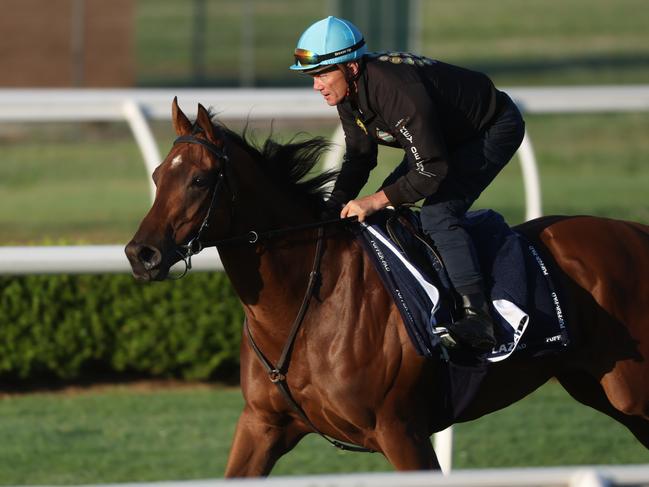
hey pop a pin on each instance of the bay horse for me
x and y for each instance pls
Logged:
(350, 371)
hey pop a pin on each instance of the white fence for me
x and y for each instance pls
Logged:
(583, 476)
(138, 106)
(84, 259)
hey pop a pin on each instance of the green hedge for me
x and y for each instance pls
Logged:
(67, 326)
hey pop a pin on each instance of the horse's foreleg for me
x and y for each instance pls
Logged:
(258, 443)
(408, 452)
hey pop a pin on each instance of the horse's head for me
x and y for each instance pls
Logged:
(189, 184)
(196, 185)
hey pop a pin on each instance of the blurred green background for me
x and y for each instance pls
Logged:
(85, 183)
(517, 42)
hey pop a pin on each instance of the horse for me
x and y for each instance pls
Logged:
(327, 349)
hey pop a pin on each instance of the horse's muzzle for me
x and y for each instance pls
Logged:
(146, 261)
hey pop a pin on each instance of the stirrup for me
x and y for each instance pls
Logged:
(471, 336)
(445, 338)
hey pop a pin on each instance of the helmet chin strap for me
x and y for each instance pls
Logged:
(351, 79)
(350, 76)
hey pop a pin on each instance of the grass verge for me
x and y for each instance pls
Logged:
(125, 434)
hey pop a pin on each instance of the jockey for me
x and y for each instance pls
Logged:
(457, 130)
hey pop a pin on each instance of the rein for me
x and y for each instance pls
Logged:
(277, 373)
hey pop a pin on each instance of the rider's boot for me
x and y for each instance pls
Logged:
(476, 328)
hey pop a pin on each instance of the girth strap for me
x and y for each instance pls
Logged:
(277, 373)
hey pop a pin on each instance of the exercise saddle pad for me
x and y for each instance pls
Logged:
(524, 302)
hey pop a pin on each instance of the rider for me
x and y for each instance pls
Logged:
(457, 130)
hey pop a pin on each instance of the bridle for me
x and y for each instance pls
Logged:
(276, 372)
(196, 244)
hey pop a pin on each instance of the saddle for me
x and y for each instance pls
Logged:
(525, 303)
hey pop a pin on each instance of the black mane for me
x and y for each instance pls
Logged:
(289, 164)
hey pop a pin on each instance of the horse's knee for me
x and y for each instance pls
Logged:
(408, 451)
(258, 442)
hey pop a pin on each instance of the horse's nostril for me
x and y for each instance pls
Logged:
(149, 256)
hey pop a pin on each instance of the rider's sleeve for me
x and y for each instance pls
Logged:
(412, 117)
(359, 160)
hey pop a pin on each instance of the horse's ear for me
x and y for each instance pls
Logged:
(204, 121)
(182, 125)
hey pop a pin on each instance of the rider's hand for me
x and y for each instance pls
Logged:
(364, 207)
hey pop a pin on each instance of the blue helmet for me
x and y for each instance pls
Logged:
(329, 41)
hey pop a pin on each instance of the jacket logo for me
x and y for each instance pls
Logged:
(360, 123)
(385, 136)
(419, 166)
(401, 122)
(403, 57)
(405, 133)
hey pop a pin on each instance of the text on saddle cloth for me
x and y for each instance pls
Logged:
(524, 303)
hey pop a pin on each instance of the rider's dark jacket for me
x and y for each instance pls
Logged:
(426, 107)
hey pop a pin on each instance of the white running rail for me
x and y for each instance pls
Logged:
(138, 106)
(579, 476)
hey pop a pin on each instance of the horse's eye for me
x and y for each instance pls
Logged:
(199, 181)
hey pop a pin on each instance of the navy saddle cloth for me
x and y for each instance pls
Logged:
(525, 304)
